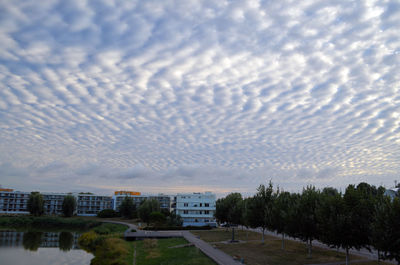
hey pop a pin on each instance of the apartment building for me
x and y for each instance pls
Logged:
(138, 198)
(91, 205)
(196, 209)
(13, 202)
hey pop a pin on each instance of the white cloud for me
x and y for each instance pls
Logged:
(190, 93)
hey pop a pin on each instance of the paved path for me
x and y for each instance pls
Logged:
(217, 255)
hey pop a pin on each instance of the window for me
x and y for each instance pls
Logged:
(185, 204)
(206, 212)
(201, 204)
(185, 212)
(206, 205)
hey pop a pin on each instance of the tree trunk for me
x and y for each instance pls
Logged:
(262, 238)
(283, 241)
(233, 234)
(347, 256)
(310, 249)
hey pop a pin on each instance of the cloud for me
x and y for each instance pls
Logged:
(227, 93)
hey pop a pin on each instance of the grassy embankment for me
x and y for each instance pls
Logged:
(46, 223)
(253, 252)
(108, 247)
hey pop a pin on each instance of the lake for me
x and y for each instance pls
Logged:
(36, 248)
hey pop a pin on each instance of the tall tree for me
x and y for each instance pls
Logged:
(221, 211)
(281, 214)
(260, 209)
(332, 219)
(307, 219)
(36, 203)
(146, 208)
(127, 208)
(234, 210)
(69, 205)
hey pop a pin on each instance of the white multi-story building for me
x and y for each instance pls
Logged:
(196, 209)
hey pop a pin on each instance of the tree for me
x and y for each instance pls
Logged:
(127, 208)
(307, 219)
(68, 205)
(36, 203)
(157, 218)
(233, 207)
(386, 229)
(281, 214)
(332, 219)
(174, 219)
(146, 208)
(32, 240)
(221, 211)
(107, 213)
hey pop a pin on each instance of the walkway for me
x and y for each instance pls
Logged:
(217, 255)
(220, 257)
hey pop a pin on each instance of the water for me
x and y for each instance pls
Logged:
(34, 248)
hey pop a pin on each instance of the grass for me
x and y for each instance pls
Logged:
(255, 253)
(222, 234)
(110, 228)
(155, 252)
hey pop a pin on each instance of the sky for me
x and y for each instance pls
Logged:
(191, 96)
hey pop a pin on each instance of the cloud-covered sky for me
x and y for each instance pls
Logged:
(174, 96)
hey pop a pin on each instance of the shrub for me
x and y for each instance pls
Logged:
(88, 241)
(107, 213)
(109, 228)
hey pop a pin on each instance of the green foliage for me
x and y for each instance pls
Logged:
(46, 222)
(160, 228)
(89, 241)
(127, 209)
(111, 251)
(36, 203)
(110, 228)
(146, 208)
(65, 241)
(174, 220)
(107, 213)
(68, 205)
(157, 218)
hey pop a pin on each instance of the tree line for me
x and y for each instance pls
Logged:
(361, 217)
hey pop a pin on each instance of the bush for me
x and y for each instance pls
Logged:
(111, 251)
(107, 213)
(109, 228)
(88, 241)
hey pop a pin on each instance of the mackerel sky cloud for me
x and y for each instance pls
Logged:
(174, 96)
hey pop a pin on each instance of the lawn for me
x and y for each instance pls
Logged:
(222, 234)
(156, 252)
(255, 253)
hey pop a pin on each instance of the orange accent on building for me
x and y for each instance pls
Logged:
(9, 190)
(123, 192)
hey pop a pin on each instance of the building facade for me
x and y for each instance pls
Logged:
(138, 198)
(91, 205)
(13, 202)
(196, 209)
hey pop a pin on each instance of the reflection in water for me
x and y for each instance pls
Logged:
(38, 248)
(32, 240)
(65, 241)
